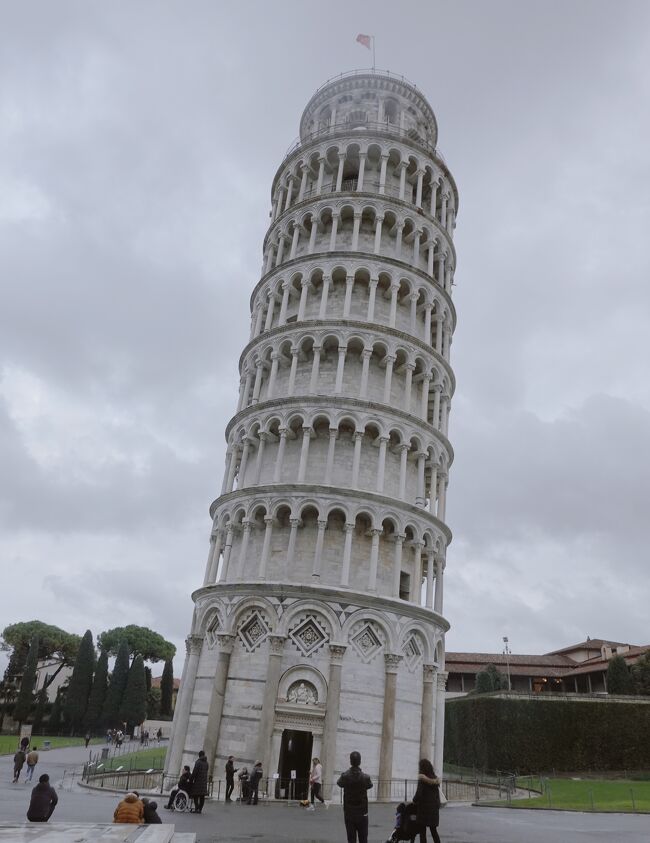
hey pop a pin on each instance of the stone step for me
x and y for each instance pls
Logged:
(156, 834)
(184, 837)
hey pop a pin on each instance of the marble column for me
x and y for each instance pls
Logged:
(267, 719)
(391, 662)
(426, 714)
(174, 758)
(330, 728)
(440, 723)
(225, 643)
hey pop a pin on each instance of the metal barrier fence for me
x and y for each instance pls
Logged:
(292, 790)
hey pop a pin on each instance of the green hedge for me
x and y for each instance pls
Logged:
(531, 735)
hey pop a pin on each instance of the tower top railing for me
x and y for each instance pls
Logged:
(367, 71)
(361, 128)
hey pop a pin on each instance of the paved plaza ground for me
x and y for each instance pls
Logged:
(275, 823)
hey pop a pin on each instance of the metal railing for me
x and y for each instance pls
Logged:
(358, 129)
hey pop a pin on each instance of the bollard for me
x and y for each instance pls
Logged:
(548, 792)
(591, 797)
(633, 802)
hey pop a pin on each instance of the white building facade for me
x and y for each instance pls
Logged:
(319, 625)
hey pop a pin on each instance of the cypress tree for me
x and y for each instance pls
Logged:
(147, 677)
(116, 686)
(619, 679)
(25, 697)
(80, 684)
(97, 698)
(167, 689)
(54, 723)
(134, 703)
(39, 712)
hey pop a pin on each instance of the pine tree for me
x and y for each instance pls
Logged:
(619, 679)
(116, 687)
(54, 722)
(39, 711)
(25, 697)
(167, 689)
(80, 684)
(97, 698)
(134, 703)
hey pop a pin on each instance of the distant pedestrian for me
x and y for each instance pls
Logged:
(24, 743)
(427, 801)
(19, 762)
(43, 801)
(109, 737)
(355, 785)
(32, 761)
(315, 782)
(230, 777)
(243, 778)
(200, 782)
(129, 810)
(87, 739)
(159, 734)
(254, 783)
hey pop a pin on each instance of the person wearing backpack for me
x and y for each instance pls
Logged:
(427, 801)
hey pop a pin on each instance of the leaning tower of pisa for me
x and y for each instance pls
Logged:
(319, 626)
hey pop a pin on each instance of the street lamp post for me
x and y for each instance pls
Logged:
(507, 652)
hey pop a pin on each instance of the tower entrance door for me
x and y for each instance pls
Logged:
(295, 756)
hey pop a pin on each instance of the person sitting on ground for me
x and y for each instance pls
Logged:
(43, 801)
(150, 813)
(19, 761)
(184, 783)
(129, 810)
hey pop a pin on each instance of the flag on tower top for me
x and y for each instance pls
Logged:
(365, 40)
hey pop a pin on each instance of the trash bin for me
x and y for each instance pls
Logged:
(47, 745)
(105, 751)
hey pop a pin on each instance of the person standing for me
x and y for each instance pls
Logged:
(355, 785)
(32, 761)
(230, 777)
(43, 801)
(316, 782)
(19, 763)
(427, 801)
(254, 783)
(24, 743)
(87, 739)
(200, 782)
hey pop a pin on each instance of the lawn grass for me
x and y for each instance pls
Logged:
(9, 743)
(142, 759)
(589, 795)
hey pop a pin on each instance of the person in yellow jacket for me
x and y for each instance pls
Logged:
(130, 810)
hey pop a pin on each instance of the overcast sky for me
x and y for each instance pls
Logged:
(138, 142)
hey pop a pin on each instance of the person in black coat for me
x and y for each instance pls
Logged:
(151, 815)
(19, 763)
(427, 801)
(43, 801)
(184, 783)
(254, 783)
(355, 784)
(230, 777)
(200, 782)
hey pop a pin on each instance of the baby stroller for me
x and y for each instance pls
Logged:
(406, 826)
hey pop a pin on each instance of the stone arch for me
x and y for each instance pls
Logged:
(305, 673)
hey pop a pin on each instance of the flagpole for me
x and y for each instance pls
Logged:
(373, 52)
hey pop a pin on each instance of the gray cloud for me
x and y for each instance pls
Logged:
(137, 148)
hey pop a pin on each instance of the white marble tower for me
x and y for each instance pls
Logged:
(319, 626)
